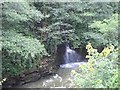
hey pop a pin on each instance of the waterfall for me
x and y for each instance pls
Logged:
(67, 57)
(70, 55)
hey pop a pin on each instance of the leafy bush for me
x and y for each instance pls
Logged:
(108, 28)
(20, 49)
(20, 52)
(101, 71)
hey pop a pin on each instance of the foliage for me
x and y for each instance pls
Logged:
(17, 43)
(101, 71)
(70, 22)
(20, 48)
(24, 24)
(20, 52)
(21, 17)
(108, 28)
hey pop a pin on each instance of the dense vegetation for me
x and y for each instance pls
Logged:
(20, 48)
(101, 71)
(32, 30)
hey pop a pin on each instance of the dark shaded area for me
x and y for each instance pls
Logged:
(60, 52)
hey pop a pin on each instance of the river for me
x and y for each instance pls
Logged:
(62, 78)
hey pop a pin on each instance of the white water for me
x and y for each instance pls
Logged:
(72, 65)
(71, 56)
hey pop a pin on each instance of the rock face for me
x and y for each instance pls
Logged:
(46, 67)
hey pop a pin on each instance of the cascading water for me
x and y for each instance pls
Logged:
(70, 55)
(71, 58)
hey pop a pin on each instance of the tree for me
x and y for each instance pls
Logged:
(20, 48)
(70, 22)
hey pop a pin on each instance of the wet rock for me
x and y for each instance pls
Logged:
(30, 78)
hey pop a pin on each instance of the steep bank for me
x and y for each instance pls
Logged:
(46, 67)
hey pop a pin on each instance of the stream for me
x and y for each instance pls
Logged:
(63, 77)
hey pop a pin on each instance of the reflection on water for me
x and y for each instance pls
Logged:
(62, 79)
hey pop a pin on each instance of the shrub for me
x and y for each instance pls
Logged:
(20, 52)
(101, 71)
(21, 49)
(107, 29)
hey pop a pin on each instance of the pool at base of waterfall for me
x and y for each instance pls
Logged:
(72, 65)
(62, 78)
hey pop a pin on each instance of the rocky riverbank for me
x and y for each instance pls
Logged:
(47, 67)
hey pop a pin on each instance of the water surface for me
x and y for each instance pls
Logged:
(62, 78)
